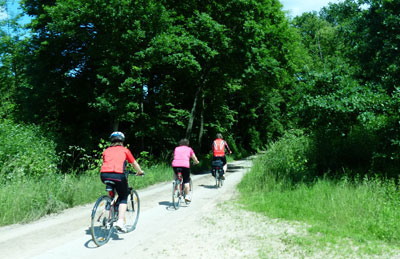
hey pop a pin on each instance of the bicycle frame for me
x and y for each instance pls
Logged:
(114, 197)
(178, 191)
(182, 187)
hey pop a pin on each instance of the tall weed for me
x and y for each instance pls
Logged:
(24, 151)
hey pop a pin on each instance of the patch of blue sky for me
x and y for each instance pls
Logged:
(297, 7)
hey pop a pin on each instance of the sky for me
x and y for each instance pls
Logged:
(13, 10)
(3, 14)
(297, 7)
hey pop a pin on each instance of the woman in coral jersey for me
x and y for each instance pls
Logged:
(115, 159)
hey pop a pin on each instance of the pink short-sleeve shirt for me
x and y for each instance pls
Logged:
(182, 156)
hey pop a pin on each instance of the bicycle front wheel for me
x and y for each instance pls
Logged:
(132, 211)
(101, 220)
(176, 192)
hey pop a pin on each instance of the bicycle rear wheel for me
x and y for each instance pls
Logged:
(217, 180)
(132, 211)
(102, 220)
(176, 193)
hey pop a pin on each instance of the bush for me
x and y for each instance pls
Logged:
(286, 161)
(24, 150)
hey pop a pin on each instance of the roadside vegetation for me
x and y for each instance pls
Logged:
(31, 198)
(344, 213)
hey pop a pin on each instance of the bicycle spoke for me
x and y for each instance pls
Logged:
(133, 209)
(176, 194)
(101, 222)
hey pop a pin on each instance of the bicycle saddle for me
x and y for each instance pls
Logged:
(109, 185)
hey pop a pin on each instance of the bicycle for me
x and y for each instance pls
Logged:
(217, 171)
(178, 192)
(105, 213)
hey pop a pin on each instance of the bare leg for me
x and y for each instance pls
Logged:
(225, 168)
(187, 188)
(121, 211)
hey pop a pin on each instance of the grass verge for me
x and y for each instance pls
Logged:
(30, 198)
(359, 216)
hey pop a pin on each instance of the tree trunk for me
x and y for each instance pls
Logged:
(319, 47)
(199, 94)
(193, 112)
(201, 131)
(115, 124)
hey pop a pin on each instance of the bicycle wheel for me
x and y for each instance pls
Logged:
(176, 193)
(102, 220)
(221, 181)
(132, 211)
(217, 179)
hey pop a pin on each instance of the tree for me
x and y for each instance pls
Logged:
(12, 69)
(348, 103)
(148, 67)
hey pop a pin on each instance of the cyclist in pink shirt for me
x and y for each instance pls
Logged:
(182, 155)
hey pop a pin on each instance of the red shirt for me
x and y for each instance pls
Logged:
(219, 147)
(114, 159)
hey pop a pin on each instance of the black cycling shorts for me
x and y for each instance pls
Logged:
(185, 173)
(121, 185)
(222, 158)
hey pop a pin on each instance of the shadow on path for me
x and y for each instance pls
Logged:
(208, 186)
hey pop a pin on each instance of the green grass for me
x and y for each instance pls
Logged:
(369, 211)
(362, 213)
(31, 198)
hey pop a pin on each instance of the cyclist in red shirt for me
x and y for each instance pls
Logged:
(218, 146)
(115, 159)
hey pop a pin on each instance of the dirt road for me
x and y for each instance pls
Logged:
(162, 232)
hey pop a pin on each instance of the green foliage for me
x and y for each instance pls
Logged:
(287, 161)
(25, 151)
(346, 97)
(92, 70)
(12, 66)
(76, 160)
(145, 159)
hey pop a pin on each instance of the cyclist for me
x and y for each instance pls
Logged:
(115, 159)
(218, 146)
(182, 155)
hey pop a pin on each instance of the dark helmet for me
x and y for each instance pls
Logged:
(117, 136)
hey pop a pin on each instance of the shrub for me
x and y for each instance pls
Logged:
(24, 150)
(288, 161)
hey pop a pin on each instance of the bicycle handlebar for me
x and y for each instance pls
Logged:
(135, 173)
